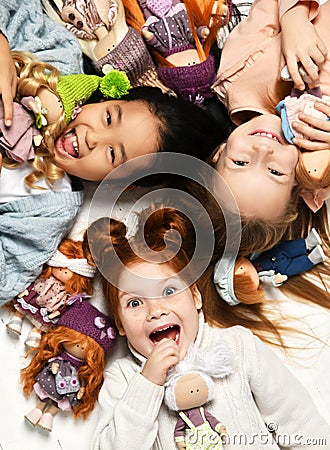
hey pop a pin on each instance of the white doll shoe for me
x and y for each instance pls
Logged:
(33, 416)
(15, 325)
(33, 340)
(46, 422)
(313, 239)
(317, 255)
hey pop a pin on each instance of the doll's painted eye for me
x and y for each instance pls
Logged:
(71, 16)
(80, 25)
(169, 291)
(134, 303)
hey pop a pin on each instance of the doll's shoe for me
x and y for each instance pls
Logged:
(15, 325)
(33, 340)
(33, 416)
(313, 239)
(46, 422)
(317, 255)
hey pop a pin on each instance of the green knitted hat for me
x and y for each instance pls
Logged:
(75, 90)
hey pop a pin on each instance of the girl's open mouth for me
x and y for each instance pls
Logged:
(165, 332)
(68, 144)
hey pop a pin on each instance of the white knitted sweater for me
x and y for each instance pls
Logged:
(260, 391)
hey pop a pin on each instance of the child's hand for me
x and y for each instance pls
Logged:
(162, 357)
(310, 51)
(317, 131)
(8, 80)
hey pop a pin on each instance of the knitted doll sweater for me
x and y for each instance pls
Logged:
(28, 28)
(260, 391)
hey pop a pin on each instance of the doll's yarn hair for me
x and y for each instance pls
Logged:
(77, 283)
(90, 374)
(33, 75)
(244, 288)
(199, 13)
(306, 181)
(110, 248)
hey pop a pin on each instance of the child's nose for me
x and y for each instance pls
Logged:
(156, 310)
(91, 139)
(264, 147)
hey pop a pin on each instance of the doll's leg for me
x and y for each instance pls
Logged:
(15, 323)
(34, 338)
(292, 248)
(34, 416)
(298, 265)
(46, 421)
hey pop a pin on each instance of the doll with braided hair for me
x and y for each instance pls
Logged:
(66, 373)
(66, 278)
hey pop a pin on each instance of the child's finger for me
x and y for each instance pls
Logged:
(312, 123)
(7, 100)
(310, 145)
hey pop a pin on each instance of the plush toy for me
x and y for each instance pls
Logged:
(188, 387)
(66, 373)
(240, 280)
(313, 168)
(180, 35)
(66, 278)
(106, 38)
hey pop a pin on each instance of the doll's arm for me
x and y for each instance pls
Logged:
(270, 278)
(129, 406)
(309, 51)
(54, 368)
(8, 79)
(280, 397)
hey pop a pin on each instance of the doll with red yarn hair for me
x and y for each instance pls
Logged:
(66, 373)
(180, 36)
(66, 277)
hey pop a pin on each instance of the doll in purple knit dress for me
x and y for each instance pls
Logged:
(66, 278)
(66, 373)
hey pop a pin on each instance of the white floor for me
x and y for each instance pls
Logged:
(311, 366)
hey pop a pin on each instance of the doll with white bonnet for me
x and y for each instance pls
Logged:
(188, 387)
(66, 373)
(66, 278)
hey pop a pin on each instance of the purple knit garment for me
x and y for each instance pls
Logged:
(190, 82)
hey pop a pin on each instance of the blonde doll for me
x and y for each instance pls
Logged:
(66, 373)
(66, 278)
(153, 297)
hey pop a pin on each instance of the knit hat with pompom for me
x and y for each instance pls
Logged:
(75, 90)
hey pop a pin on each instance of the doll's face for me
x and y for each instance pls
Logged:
(316, 163)
(62, 273)
(186, 58)
(77, 350)
(258, 165)
(52, 104)
(247, 268)
(190, 391)
(105, 135)
(161, 306)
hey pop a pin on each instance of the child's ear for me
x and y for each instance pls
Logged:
(216, 154)
(120, 328)
(197, 297)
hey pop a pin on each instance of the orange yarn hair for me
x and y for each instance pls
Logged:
(244, 288)
(90, 374)
(200, 12)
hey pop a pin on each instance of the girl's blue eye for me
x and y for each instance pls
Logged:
(112, 153)
(169, 291)
(275, 172)
(134, 303)
(108, 118)
(240, 163)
